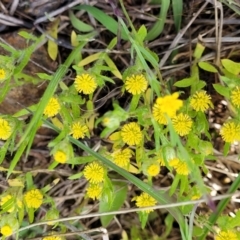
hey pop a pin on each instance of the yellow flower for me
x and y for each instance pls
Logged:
(131, 134)
(94, 172)
(60, 156)
(122, 157)
(5, 129)
(52, 238)
(33, 198)
(235, 96)
(153, 170)
(230, 132)
(6, 230)
(85, 83)
(180, 167)
(167, 105)
(226, 235)
(200, 101)
(52, 107)
(136, 84)
(94, 191)
(145, 200)
(182, 124)
(2, 74)
(78, 130)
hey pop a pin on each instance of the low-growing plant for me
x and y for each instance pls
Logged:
(176, 127)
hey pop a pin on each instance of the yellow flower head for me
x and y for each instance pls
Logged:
(167, 105)
(180, 167)
(122, 157)
(230, 132)
(85, 83)
(226, 235)
(131, 134)
(200, 101)
(182, 124)
(6, 230)
(60, 156)
(145, 200)
(94, 172)
(33, 198)
(52, 238)
(52, 107)
(153, 170)
(2, 74)
(94, 191)
(235, 97)
(5, 129)
(136, 84)
(78, 130)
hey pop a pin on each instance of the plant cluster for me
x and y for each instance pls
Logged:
(177, 127)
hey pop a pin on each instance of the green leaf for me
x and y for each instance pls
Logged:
(107, 21)
(119, 196)
(52, 46)
(157, 28)
(226, 148)
(224, 91)
(207, 67)
(142, 33)
(231, 66)
(174, 185)
(177, 7)
(114, 70)
(78, 24)
(76, 176)
(200, 85)
(186, 82)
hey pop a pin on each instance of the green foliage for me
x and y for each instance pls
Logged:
(76, 106)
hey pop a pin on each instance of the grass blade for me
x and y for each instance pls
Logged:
(159, 25)
(177, 7)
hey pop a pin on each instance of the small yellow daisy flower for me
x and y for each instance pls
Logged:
(182, 124)
(122, 157)
(145, 200)
(131, 134)
(230, 132)
(235, 97)
(167, 105)
(78, 130)
(60, 156)
(180, 167)
(153, 170)
(5, 129)
(226, 235)
(94, 191)
(33, 198)
(200, 101)
(136, 84)
(6, 230)
(85, 83)
(94, 172)
(52, 238)
(52, 107)
(2, 74)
